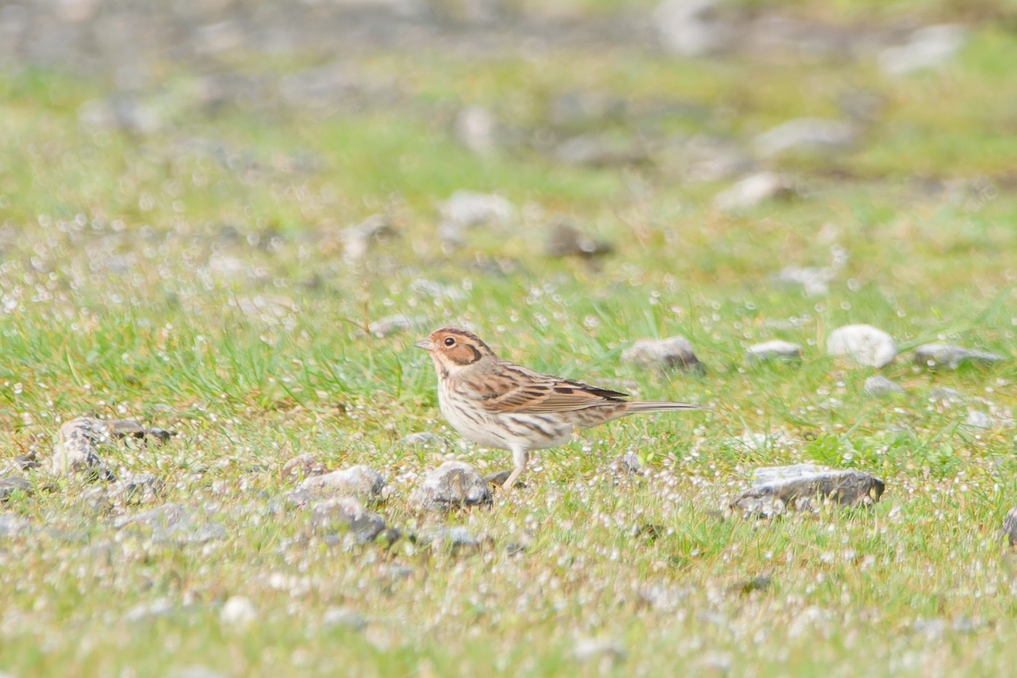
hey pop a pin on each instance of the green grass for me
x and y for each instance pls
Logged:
(200, 286)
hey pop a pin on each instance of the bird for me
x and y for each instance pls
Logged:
(496, 403)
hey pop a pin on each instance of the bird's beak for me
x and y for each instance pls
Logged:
(425, 344)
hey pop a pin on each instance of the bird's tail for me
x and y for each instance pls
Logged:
(634, 407)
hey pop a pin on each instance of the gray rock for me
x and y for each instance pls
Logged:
(776, 489)
(944, 393)
(663, 354)
(359, 481)
(878, 386)
(805, 134)
(124, 428)
(775, 349)
(12, 526)
(75, 452)
(631, 463)
(585, 109)
(469, 210)
(302, 466)
(142, 611)
(161, 516)
(691, 28)
(9, 486)
(393, 324)
(593, 648)
(863, 344)
(566, 240)
(346, 514)
(174, 524)
(453, 539)
(978, 420)
(476, 129)
(1009, 528)
(343, 617)
(946, 355)
(193, 533)
(140, 488)
(815, 281)
(358, 240)
(121, 112)
(321, 86)
(753, 190)
(194, 672)
(424, 440)
(927, 47)
(600, 150)
(452, 485)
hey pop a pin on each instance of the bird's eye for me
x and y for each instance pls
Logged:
(449, 341)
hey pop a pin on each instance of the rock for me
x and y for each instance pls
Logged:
(691, 28)
(453, 539)
(586, 109)
(600, 150)
(469, 210)
(194, 672)
(927, 47)
(753, 190)
(805, 134)
(12, 526)
(140, 488)
(424, 440)
(357, 240)
(944, 393)
(321, 86)
(174, 524)
(346, 514)
(9, 486)
(452, 485)
(815, 281)
(758, 583)
(120, 112)
(777, 488)
(864, 344)
(663, 354)
(476, 129)
(566, 240)
(359, 481)
(775, 349)
(977, 419)
(238, 612)
(631, 463)
(878, 386)
(592, 648)
(386, 327)
(1009, 528)
(160, 607)
(75, 451)
(712, 159)
(343, 617)
(300, 467)
(123, 428)
(946, 355)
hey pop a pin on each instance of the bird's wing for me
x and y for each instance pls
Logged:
(521, 390)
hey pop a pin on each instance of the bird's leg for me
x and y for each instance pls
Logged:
(519, 457)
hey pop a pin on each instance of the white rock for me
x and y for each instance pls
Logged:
(468, 209)
(662, 354)
(753, 190)
(928, 47)
(805, 134)
(771, 350)
(690, 27)
(978, 420)
(864, 344)
(475, 129)
(238, 612)
(877, 385)
(359, 481)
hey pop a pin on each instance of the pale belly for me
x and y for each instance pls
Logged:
(507, 431)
